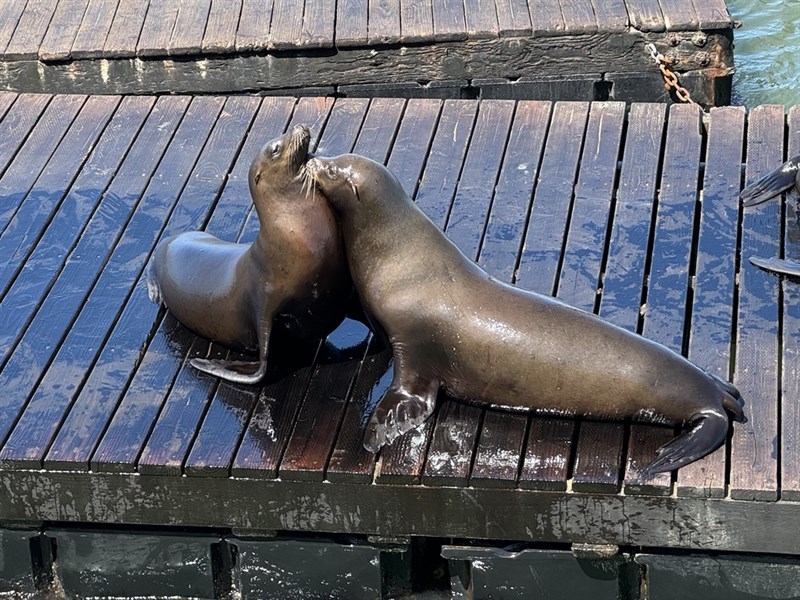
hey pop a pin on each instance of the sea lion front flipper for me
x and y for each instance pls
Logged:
(777, 265)
(708, 432)
(232, 370)
(401, 409)
(772, 184)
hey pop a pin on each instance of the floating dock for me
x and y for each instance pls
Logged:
(630, 211)
(521, 49)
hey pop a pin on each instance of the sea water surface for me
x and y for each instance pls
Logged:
(766, 52)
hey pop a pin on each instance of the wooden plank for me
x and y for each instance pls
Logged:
(495, 461)
(17, 124)
(679, 15)
(45, 197)
(611, 15)
(119, 362)
(546, 17)
(30, 30)
(125, 29)
(712, 308)
(351, 23)
(547, 454)
(223, 20)
(753, 462)
(157, 29)
(712, 14)
(139, 409)
(254, 24)
(12, 11)
(514, 191)
(384, 22)
(790, 337)
(481, 18)
(578, 16)
(16, 182)
(416, 20)
(513, 18)
(670, 274)
(190, 25)
(318, 23)
(57, 42)
(65, 297)
(448, 21)
(113, 291)
(91, 37)
(645, 15)
(286, 29)
(449, 459)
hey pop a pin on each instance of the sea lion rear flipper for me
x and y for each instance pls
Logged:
(777, 265)
(707, 433)
(232, 370)
(772, 184)
(401, 409)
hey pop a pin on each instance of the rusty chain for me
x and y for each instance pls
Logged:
(670, 78)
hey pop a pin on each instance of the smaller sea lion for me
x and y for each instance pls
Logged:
(770, 185)
(452, 326)
(293, 278)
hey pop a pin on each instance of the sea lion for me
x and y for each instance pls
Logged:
(452, 326)
(769, 186)
(293, 278)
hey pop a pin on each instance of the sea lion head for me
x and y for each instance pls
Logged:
(280, 162)
(351, 181)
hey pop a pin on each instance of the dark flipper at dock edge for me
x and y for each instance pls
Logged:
(707, 433)
(772, 184)
(777, 265)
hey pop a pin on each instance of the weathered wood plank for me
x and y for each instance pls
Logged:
(30, 30)
(546, 17)
(113, 294)
(35, 152)
(190, 26)
(384, 21)
(64, 300)
(223, 20)
(286, 28)
(60, 35)
(611, 15)
(45, 196)
(671, 263)
(416, 20)
(152, 376)
(790, 319)
(499, 449)
(679, 14)
(712, 14)
(351, 22)
(448, 20)
(93, 32)
(513, 18)
(481, 18)
(123, 36)
(254, 24)
(318, 23)
(578, 16)
(173, 412)
(645, 15)
(712, 309)
(547, 454)
(157, 28)
(753, 462)
(12, 11)
(465, 226)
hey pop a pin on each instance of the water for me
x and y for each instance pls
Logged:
(767, 52)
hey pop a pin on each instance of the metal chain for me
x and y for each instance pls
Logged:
(670, 78)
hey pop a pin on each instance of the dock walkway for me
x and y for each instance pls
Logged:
(628, 211)
(522, 49)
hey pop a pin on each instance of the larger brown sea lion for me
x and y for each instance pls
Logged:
(293, 278)
(452, 326)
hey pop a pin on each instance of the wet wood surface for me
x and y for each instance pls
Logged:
(628, 211)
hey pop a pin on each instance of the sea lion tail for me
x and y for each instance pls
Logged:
(772, 184)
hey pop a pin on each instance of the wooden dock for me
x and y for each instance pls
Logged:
(522, 49)
(628, 211)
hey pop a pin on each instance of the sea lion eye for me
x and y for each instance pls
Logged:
(332, 171)
(257, 177)
(275, 149)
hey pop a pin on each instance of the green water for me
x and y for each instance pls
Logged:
(767, 52)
